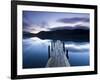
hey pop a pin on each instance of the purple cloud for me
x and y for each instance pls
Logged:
(73, 20)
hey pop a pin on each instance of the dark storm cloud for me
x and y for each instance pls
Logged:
(70, 27)
(73, 20)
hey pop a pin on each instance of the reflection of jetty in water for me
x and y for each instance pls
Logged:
(57, 55)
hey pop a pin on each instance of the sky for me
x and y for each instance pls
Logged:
(36, 21)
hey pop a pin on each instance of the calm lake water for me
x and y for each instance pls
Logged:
(35, 53)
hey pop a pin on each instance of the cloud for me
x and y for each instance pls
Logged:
(80, 47)
(62, 23)
(77, 25)
(33, 28)
(73, 20)
(70, 23)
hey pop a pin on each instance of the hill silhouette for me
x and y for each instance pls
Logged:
(78, 35)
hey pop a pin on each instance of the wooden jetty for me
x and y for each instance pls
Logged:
(57, 55)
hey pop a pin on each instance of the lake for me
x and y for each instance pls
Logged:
(35, 52)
